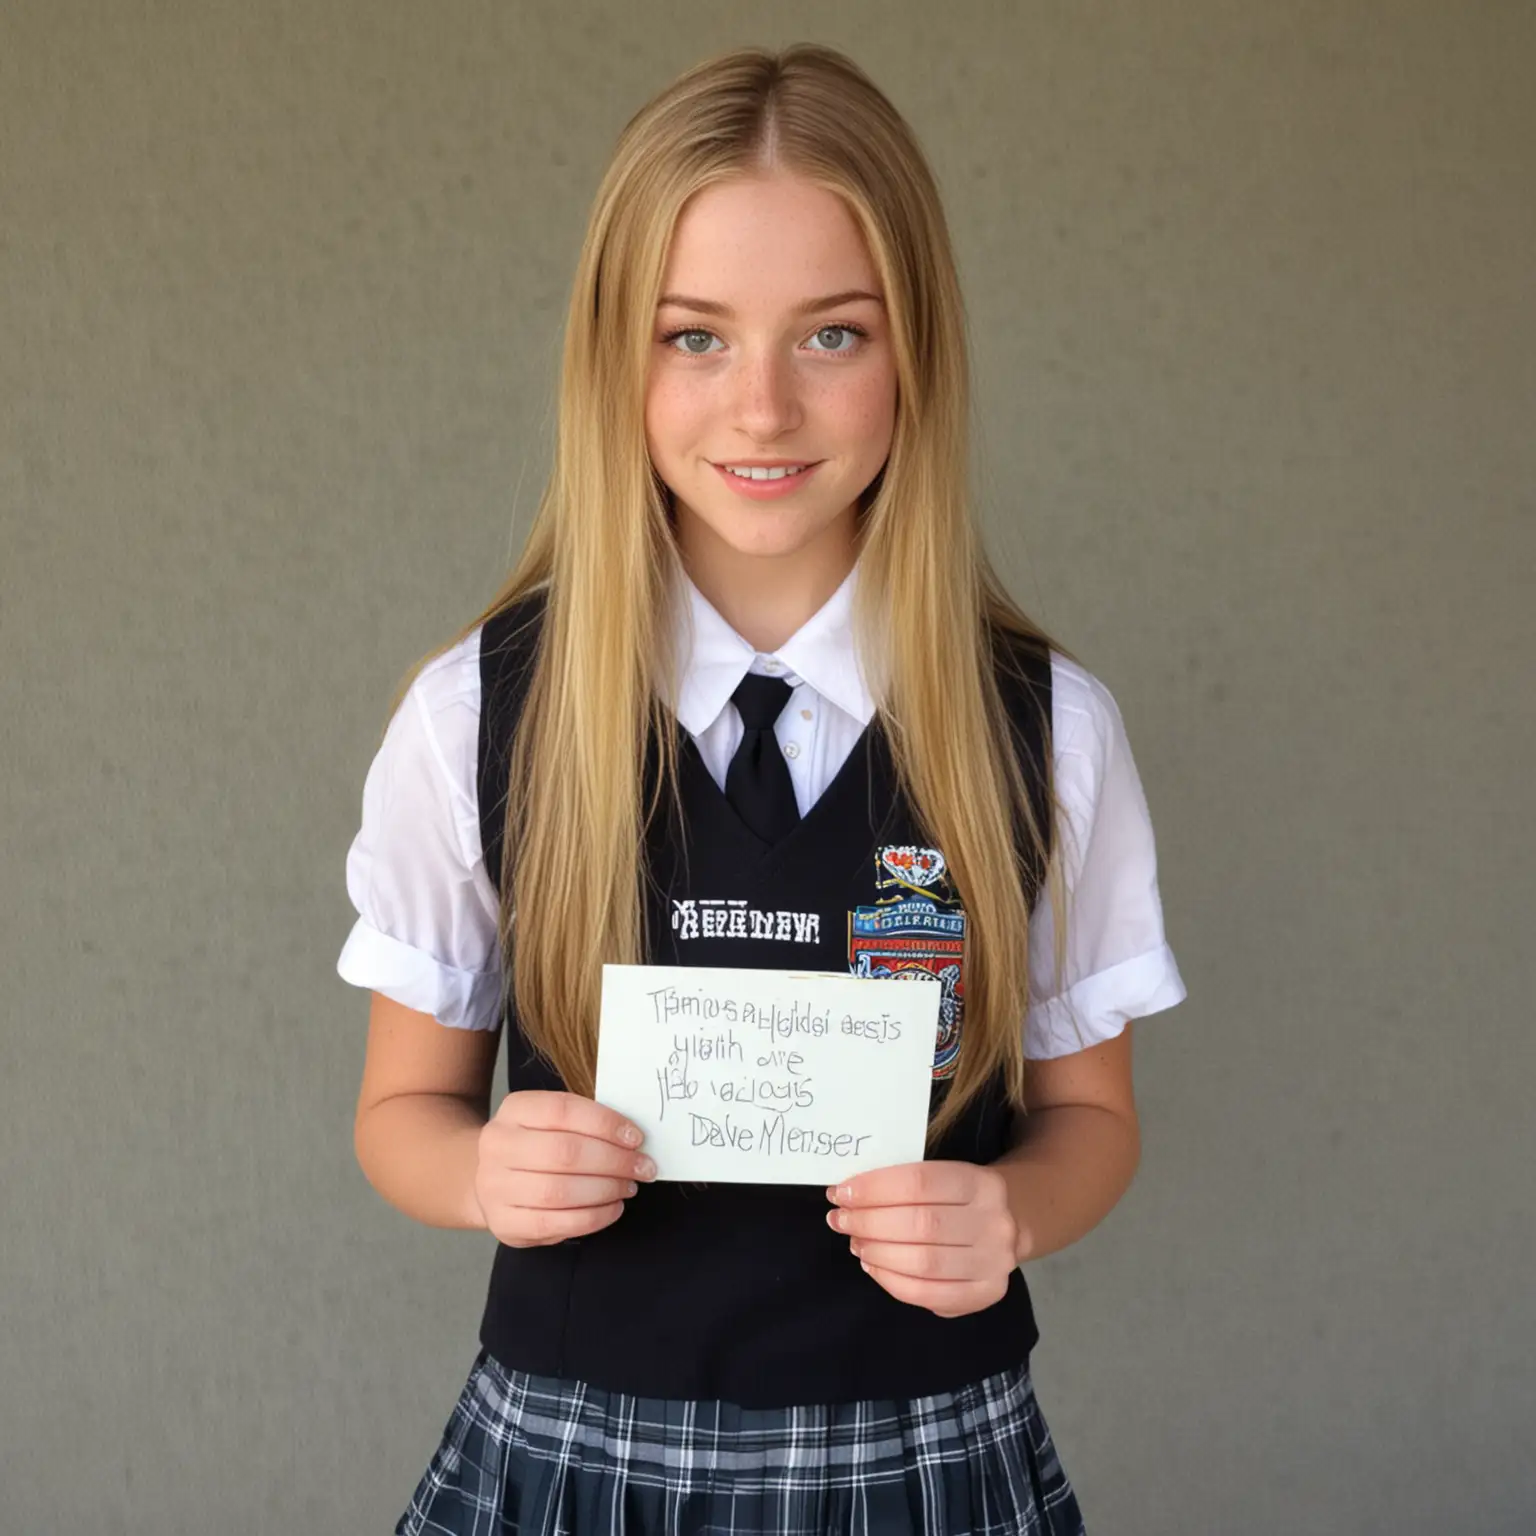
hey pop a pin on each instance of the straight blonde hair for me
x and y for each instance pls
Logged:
(928, 605)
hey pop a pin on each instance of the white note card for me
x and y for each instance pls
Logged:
(768, 1077)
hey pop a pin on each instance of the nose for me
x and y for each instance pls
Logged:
(768, 398)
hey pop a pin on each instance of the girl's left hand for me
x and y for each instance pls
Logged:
(935, 1234)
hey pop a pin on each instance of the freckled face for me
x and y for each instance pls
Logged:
(750, 363)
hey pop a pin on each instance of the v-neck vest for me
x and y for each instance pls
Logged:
(741, 1291)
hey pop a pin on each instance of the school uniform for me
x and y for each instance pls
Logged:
(716, 1360)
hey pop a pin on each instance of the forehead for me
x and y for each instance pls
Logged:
(766, 239)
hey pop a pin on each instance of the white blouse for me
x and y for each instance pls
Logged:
(425, 934)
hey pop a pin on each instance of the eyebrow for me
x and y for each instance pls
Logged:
(810, 307)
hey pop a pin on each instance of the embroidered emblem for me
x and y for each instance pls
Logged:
(920, 868)
(917, 930)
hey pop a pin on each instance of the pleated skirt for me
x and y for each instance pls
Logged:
(532, 1456)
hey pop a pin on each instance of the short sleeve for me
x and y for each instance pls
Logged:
(1118, 962)
(425, 933)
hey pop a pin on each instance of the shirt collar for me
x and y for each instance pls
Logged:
(712, 658)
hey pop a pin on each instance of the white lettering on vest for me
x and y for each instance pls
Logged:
(716, 918)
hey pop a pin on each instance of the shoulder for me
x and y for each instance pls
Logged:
(434, 732)
(1085, 715)
(1044, 693)
(1049, 696)
(441, 712)
(1029, 671)
(438, 732)
(1086, 724)
(446, 691)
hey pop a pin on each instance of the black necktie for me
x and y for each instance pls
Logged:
(757, 783)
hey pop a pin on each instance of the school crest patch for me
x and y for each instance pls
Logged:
(918, 929)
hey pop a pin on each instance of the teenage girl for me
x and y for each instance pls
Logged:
(753, 697)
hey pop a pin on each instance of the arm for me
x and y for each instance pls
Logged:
(1077, 1149)
(547, 1166)
(948, 1236)
(425, 1098)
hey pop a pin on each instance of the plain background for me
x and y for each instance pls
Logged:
(1250, 293)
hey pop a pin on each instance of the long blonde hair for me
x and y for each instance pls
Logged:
(601, 550)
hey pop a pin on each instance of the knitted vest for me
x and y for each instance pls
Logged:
(742, 1291)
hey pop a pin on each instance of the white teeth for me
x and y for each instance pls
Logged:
(764, 474)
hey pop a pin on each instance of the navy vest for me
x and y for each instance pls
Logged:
(741, 1291)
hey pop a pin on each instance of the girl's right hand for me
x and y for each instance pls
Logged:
(556, 1165)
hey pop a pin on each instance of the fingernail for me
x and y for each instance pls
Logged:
(644, 1168)
(853, 1247)
(630, 1136)
(633, 1188)
(864, 1266)
(845, 1192)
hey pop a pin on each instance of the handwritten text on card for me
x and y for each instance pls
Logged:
(768, 1076)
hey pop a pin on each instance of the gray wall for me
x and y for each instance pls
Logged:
(1250, 289)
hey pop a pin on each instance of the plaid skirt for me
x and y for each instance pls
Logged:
(531, 1456)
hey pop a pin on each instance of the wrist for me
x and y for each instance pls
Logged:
(421, 1152)
(1069, 1169)
(472, 1213)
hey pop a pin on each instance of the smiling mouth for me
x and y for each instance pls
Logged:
(765, 474)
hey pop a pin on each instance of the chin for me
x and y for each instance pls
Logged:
(741, 529)
(766, 543)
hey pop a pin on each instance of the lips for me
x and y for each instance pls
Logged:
(767, 472)
(764, 487)
(766, 476)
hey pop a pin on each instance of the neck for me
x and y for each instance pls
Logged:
(767, 598)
